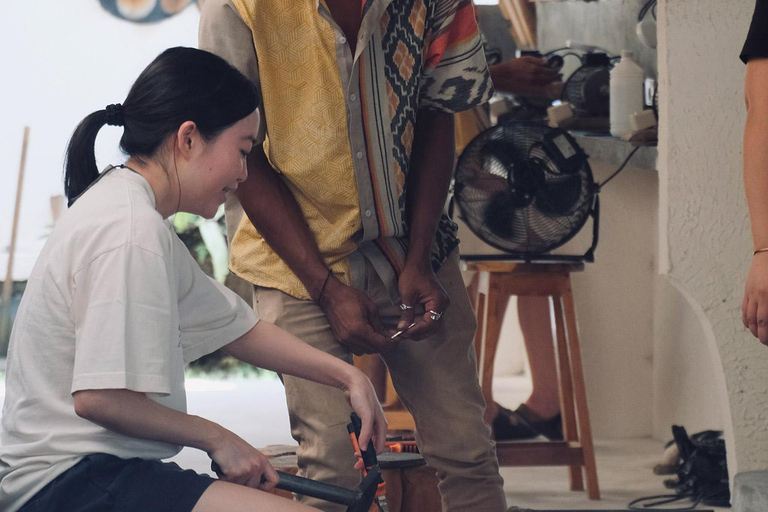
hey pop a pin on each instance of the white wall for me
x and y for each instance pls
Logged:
(614, 304)
(62, 61)
(704, 245)
(688, 380)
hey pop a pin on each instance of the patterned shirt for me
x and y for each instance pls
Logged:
(339, 126)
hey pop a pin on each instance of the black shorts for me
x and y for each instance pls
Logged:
(105, 483)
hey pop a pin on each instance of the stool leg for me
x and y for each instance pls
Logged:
(566, 390)
(478, 294)
(473, 290)
(580, 392)
(496, 306)
(480, 349)
(477, 297)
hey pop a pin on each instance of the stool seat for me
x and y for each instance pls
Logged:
(494, 282)
(520, 267)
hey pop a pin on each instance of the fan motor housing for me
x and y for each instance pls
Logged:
(588, 88)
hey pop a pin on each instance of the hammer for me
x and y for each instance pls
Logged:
(370, 461)
(358, 499)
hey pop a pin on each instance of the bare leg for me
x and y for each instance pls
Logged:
(228, 497)
(536, 327)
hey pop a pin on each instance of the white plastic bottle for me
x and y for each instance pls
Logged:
(626, 93)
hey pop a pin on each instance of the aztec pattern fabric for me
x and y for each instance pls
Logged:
(349, 119)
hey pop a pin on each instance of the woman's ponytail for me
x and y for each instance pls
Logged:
(80, 168)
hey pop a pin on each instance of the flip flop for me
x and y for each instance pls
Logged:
(523, 423)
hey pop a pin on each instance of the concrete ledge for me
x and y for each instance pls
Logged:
(613, 151)
(750, 492)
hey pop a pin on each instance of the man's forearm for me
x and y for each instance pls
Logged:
(428, 181)
(273, 210)
(756, 150)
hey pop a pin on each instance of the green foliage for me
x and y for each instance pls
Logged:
(219, 365)
(205, 238)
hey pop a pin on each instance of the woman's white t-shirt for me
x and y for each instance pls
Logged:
(115, 301)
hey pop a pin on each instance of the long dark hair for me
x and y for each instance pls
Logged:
(181, 84)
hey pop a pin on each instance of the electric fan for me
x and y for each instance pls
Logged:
(526, 189)
(588, 88)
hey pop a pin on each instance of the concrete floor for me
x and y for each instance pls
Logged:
(255, 410)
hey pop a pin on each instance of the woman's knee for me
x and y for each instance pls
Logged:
(226, 497)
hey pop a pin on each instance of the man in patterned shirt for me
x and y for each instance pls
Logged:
(345, 239)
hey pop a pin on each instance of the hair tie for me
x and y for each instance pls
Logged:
(114, 115)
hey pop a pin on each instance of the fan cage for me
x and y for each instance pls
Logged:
(502, 202)
(583, 90)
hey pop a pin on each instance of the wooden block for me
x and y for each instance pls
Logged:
(420, 493)
(283, 458)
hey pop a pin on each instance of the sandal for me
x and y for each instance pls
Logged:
(523, 423)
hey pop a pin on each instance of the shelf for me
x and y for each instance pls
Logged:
(613, 151)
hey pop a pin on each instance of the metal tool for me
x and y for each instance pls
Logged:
(402, 447)
(358, 499)
(398, 333)
(370, 462)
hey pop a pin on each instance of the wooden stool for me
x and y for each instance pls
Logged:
(496, 281)
(410, 487)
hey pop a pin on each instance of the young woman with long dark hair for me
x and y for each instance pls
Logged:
(116, 305)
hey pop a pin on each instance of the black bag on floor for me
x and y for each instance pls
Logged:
(702, 475)
(703, 471)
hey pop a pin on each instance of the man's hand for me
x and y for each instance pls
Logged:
(419, 288)
(528, 76)
(354, 319)
(754, 308)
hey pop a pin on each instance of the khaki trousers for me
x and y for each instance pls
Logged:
(436, 380)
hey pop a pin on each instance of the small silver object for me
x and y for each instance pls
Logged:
(398, 333)
(405, 307)
(435, 315)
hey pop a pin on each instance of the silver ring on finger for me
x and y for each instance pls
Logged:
(434, 315)
(405, 307)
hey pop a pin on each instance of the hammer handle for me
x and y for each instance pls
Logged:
(369, 454)
(308, 487)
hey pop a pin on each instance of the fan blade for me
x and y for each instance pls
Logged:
(497, 153)
(499, 215)
(559, 196)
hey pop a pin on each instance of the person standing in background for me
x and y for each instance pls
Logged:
(755, 56)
